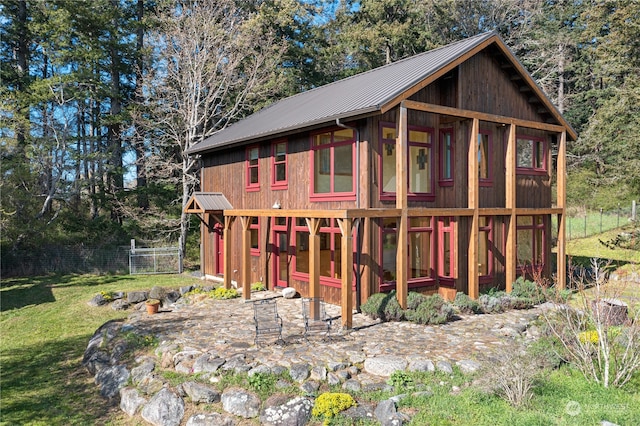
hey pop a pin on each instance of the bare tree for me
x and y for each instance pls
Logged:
(213, 60)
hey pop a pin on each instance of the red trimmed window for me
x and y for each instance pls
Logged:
(253, 169)
(484, 158)
(332, 165)
(486, 247)
(330, 252)
(420, 159)
(446, 157)
(531, 155)
(254, 227)
(279, 171)
(446, 251)
(530, 240)
(420, 254)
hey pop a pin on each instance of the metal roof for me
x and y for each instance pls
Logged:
(354, 96)
(204, 202)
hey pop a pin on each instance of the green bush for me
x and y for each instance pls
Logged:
(528, 292)
(224, 293)
(466, 305)
(400, 379)
(490, 304)
(434, 310)
(258, 286)
(414, 300)
(384, 306)
(329, 404)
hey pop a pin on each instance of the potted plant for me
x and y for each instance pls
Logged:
(152, 306)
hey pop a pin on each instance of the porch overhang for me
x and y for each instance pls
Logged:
(207, 202)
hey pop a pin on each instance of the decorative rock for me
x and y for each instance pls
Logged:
(397, 398)
(200, 393)
(157, 292)
(111, 380)
(186, 289)
(343, 374)
(278, 370)
(137, 296)
(260, 369)
(607, 423)
(184, 361)
(310, 387)
(357, 358)
(282, 383)
(333, 379)
(171, 297)
(164, 409)
(130, 400)
(140, 372)
(469, 366)
(120, 305)
(444, 366)
(384, 365)
(352, 385)
(296, 412)
(385, 410)
(210, 419)
(97, 300)
(289, 293)
(319, 373)
(240, 403)
(95, 357)
(207, 363)
(299, 372)
(237, 363)
(422, 365)
(359, 412)
(150, 385)
(353, 370)
(335, 366)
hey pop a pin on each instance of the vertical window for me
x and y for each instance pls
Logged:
(484, 157)
(531, 154)
(333, 168)
(253, 169)
(530, 242)
(279, 170)
(255, 236)
(446, 157)
(485, 243)
(446, 251)
(420, 167)
(301, 259)
(420, 255)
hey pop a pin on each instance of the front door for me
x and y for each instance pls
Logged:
(446, 251)
(218, 247)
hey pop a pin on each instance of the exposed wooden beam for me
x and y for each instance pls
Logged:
(473, 203)
(226, 236)
(402, 187)
(510, 204)
(314, 256)
(439, 109)
(245, 221)
(562, 200)
(346, 273)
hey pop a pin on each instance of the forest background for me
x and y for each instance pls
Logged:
(101, 98)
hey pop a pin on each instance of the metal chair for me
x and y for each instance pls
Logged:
(315, 317)
(267, 321)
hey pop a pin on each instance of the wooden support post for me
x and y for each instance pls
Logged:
(402, 186)
(346, 273)
(562, 200)
(246, 257)
(226, 236)
(473, 196)
(510, 203)
(314, 263)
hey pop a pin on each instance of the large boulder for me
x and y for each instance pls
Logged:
(131, 401)
(295, 412)
(200, 393)
(164, 409)
(299, 372)
(210, 419)
(241, 403)
(111, 380)
(137, 296)
(207, 363)
(384, 365)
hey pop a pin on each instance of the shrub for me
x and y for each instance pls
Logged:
(414, 300)
(224, 293)
(490, 304)
(329, 404)
(263, 383)
(258, 286)
(466, 305)
(527, 292)
(384, 306)
(400, 379)
(433, 310)
(590, 336)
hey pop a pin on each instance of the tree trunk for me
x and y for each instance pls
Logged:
(561, 59)
(141, 169)
(22, 54)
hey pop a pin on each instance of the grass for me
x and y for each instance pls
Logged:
(45, 324)
(592, 247)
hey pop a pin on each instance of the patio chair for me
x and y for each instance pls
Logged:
(316, 320)
(267, 321)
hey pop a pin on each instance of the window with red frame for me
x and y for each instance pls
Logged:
(485, 244)
(254, 227)
(446, 251)
(530, 237)
(420, 254)
(484, 157)
(420, 159)
(446, 157)
(253, 169)
(531, 154)
(279, 178)
(332, 165)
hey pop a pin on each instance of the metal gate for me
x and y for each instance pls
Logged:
(155, 260)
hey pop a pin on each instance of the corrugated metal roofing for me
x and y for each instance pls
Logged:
(360, 94)
(201, 202)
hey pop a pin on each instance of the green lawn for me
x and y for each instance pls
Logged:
(45, 325)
